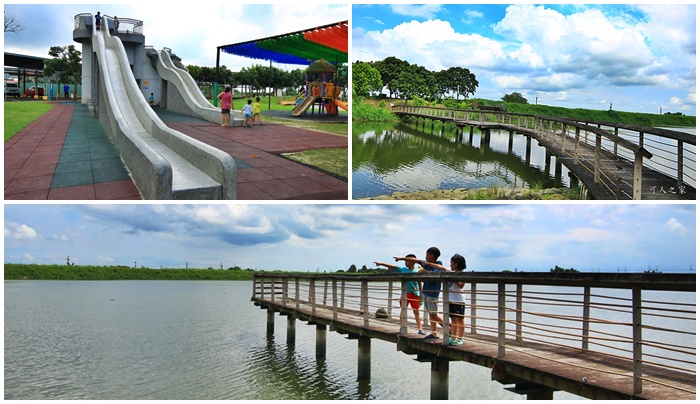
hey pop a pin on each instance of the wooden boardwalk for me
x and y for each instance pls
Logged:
(536, 368)
(609, 166)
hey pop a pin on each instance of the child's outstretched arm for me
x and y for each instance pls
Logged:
(390, 266)
(434, 265)
(407, 259)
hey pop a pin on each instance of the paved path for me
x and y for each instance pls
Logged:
(66, 154)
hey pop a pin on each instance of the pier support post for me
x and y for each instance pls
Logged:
(440, 378)
(364, 358)
(321, 335)
(270, 321)
(291, 330)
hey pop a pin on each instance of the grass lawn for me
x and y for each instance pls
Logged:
(18, 115)
(331, 161)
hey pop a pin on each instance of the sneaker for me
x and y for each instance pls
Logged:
(431, 336)
(421, 332)
(450, 341)
(458, 342)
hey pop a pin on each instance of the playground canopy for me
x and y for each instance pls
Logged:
(329, 42)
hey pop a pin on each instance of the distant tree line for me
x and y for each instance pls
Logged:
(407, 81)
(257, 78)
(85, 272)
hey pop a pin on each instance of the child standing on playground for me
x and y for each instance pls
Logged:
(256, 110)
(412, 288)
(457, 264)
(226, 100)
(248, 112)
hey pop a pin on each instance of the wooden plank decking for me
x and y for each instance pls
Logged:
(584, 373)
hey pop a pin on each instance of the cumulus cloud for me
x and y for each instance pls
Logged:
(20, 231)
(674, 226)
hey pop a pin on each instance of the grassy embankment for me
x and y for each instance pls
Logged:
(18, 115)
(378, 110)
(79, 272)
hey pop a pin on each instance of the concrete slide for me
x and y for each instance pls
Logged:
(305, 104)
(193, 97)
(164, 163)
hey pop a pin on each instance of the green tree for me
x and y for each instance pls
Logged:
(514, 97)
(67, 63)
(365, 79)
(458, 80)
(390, 68)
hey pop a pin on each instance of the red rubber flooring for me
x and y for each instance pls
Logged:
(36, 160)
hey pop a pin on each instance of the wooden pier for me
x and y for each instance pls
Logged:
(610, 165)
(599, 336)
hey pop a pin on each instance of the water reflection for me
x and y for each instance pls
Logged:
(419, 157)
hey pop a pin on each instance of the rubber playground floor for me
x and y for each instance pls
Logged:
(66, 155)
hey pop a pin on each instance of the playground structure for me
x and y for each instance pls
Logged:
(320, 90)
(326, 44)
(119, 75)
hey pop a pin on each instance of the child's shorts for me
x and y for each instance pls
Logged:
(413, 301)
(248, 115)
(456, 309)
(225, 111)
(430, 304)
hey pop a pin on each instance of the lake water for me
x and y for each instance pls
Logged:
(408, 158)
(418, 157)
(199, 340)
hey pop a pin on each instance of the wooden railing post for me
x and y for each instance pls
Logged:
(519, 313)
(404, 307)
(585, 328)
(445, 311)
(342, 293)
(578, 140)
(285, 291)
(638, 166)
(637, 338)
(679, 154)
(364, 301)
(390, 292)
(596, 172)
(325, 292)
(335, 300)
(297, 294)
(473, 310)
(312, 296)
(501, 320)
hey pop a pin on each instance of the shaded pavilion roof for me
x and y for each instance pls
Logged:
(328, 42)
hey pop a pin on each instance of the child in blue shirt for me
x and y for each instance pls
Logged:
(248, 112)
(431, 290)
(412, 288)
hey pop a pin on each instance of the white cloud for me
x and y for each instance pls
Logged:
(675, 226)
(20, 231)
(412, 10)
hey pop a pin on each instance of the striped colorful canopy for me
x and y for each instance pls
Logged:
(329, 42)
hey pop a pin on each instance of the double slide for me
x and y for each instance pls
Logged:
(164, 163)
(193, 97)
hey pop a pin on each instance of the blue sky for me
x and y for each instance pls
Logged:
(637, 57)
(308, 237)
(192, 32)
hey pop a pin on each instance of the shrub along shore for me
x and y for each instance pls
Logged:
(104, 273)
(378, 110)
